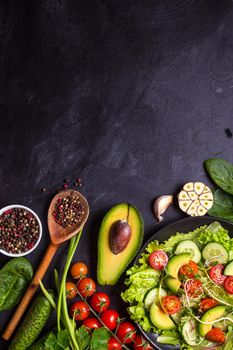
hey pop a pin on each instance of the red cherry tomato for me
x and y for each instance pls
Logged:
(158, 259)
(193, 288)
(110, 318)
(100, 302)
(216, 335)
(189, 270)
(207, 303)
(126, 332)
(86, 287)
(228, 284)
(140, 343)
(216, 274)
(92, 323)
(78, 270)
(71, 290)
(171, 304)
(79, 310)
(113, 344)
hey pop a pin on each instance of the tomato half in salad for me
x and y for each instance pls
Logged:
(216, 335)
(216, 274)
(193, 288)
(228, 284)
(188, 270)
(207, 303)
(171, 304)
(158, 260)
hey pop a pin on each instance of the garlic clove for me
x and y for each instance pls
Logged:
(201, 210)
(188, 186)
(207, 204)
(184, 205)
(199, 187)
(192, 195)
(160, 206)
(208, 196)
(183, 195)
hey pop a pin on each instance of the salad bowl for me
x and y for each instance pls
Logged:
(184, 225)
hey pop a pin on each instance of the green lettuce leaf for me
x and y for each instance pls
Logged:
(139, 284)
(216, 233)
(169, 337)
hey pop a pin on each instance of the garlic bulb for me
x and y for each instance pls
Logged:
(195, 199)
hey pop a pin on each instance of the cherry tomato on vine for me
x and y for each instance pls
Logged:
(79, 310)
(71, 290)
(100, 302)
(171, 304)
(158, 260)
(126, 332)
(92, 323)
(140, 343)
(216, 274)
(189, 270)
(78, 270)
(110, 318)
(216, 335)
(207, 303)
(228, 284)
(86, 287)
(113, 344)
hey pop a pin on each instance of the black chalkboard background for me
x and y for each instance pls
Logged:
(130, 96)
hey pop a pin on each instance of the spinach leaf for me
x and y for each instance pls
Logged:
(223, 206)
(14, 278)
(221, 172)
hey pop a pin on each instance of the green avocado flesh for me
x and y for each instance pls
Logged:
(173, 284)
(160, 319)
(175, 264)
(209, 316)
(110, 266)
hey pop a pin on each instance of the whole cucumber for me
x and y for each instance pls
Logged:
(33, 323)
(40, 343)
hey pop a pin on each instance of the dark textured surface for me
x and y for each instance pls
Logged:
(130, 96)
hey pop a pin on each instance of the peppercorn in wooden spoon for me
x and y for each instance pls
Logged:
(67, 214)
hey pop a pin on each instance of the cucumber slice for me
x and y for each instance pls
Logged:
(229, 269)
(189, 246)
(190, 333)
(215, 252)
(153, 296)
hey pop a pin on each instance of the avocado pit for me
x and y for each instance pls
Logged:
(119, 236)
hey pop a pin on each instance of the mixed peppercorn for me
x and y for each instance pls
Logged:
(19, 230)
(68, 211)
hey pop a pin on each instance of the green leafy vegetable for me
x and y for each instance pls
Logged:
(83, 337)
(216, 233)
(14, 278)
(223, 206)
(169, 337)
(57, 342)
(229, 342)
(221, 173)
(99, 339)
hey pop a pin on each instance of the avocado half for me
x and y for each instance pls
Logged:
(110, 266)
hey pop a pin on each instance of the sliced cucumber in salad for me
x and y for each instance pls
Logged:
(153, 296)
(190, 247)
(215, 252)
(190, 333)
(229, 269)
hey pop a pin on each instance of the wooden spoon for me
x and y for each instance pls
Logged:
(58, 235)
